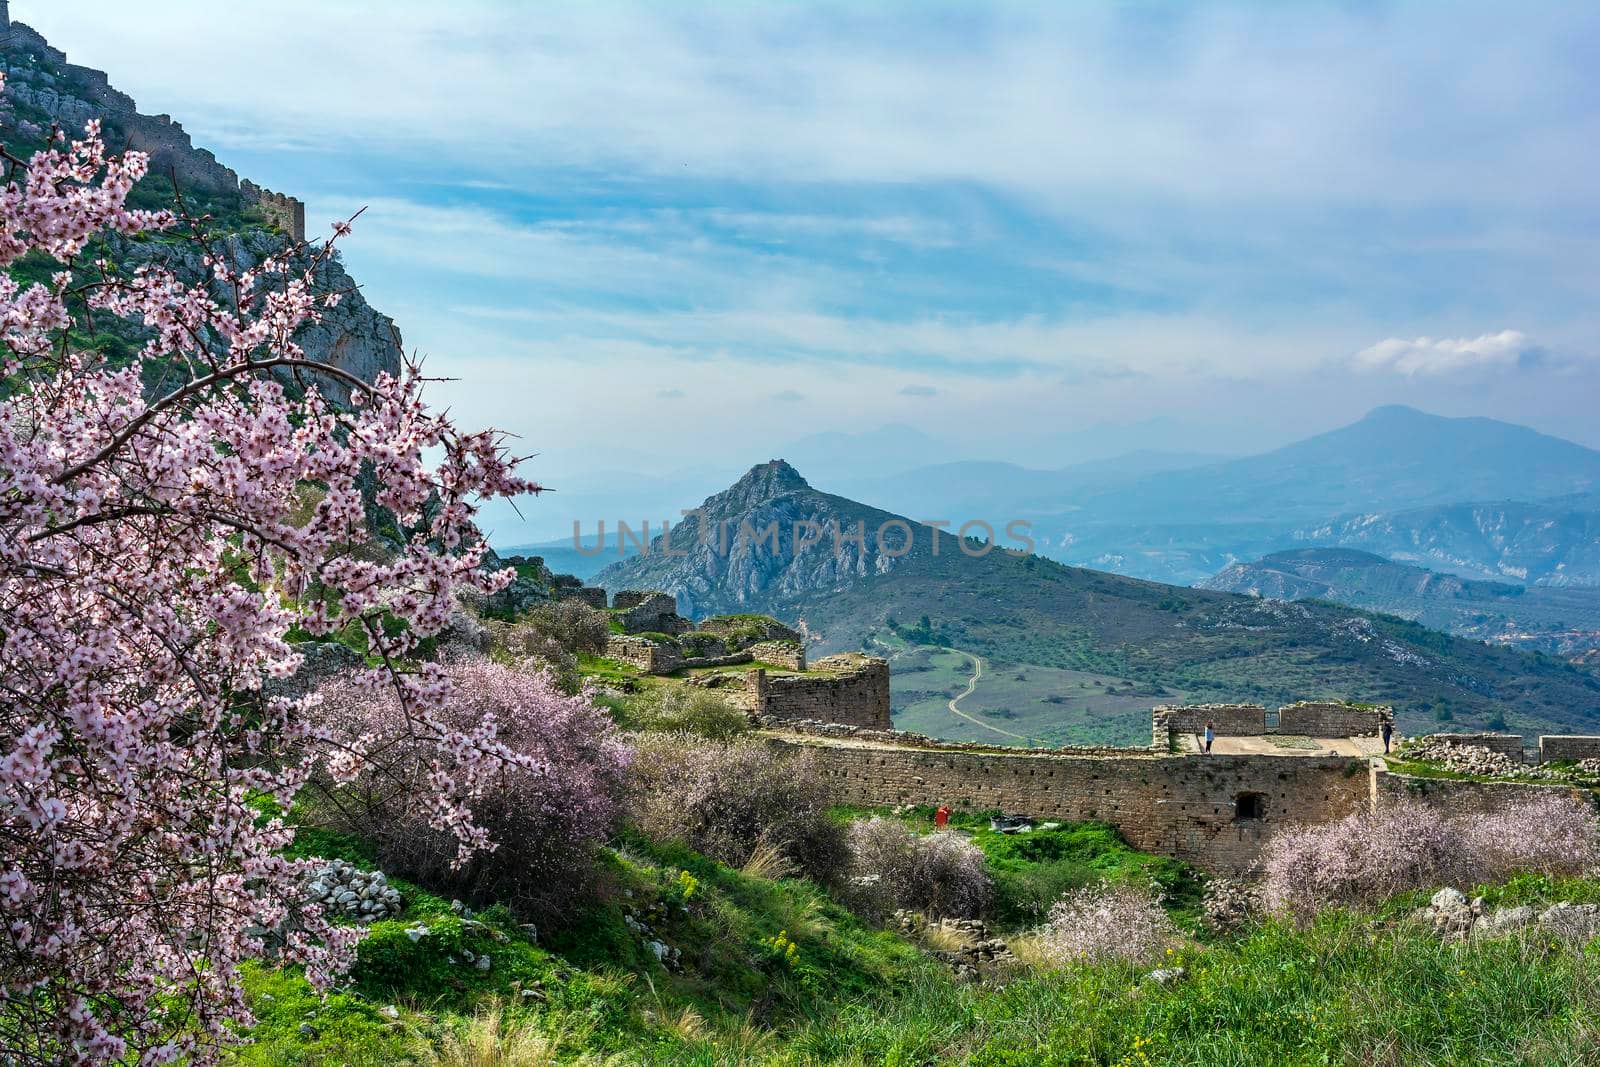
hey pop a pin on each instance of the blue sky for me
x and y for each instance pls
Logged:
(673, 237)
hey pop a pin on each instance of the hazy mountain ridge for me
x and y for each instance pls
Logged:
(1554, 542)
(1562, 621)
(1399, 482)
(1025, 609)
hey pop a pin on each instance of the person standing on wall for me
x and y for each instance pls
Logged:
(1210, 736)
(1387, 730)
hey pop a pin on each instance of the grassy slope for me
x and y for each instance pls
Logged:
(1348, 989)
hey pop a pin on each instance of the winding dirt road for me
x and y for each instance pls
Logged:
(972, 684)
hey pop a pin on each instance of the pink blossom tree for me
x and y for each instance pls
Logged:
(155, 552)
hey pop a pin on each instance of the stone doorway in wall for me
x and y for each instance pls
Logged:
(1249, 807)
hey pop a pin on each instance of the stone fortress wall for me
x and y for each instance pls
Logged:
(39, 77)
(1308, 718)
(1215, 811)
(1567, 747)
(283, 212)
(1212, 811)
(848, 688)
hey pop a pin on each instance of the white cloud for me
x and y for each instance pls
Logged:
(1226, 102)
(1444, 355)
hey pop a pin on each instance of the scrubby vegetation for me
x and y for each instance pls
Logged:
(1370, 856)
(892, 867)
(545, 815)
(729, 799)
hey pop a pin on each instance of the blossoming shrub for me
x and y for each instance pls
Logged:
(726, 799)
(1553, 833)
(1100, 923)
(1369, 856)
(893, 866)
(546, 814)
(157, 545)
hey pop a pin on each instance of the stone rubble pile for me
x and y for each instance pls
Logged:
(979, 953)
(1454, 918)
(1471, 759)
(1230, 905)
(669, 957)
(342, 888)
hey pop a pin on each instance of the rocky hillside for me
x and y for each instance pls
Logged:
(1559, 620)
(43, 88)
(1345, 575)
(1553, 542)
(722, 560)
(1022, 609)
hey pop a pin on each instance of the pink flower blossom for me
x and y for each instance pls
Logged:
(155, 551)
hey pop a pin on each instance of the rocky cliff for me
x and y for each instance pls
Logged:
(43, 88)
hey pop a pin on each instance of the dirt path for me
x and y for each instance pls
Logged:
(972, 684)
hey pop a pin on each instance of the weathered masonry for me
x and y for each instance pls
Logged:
(1213, 811)
(848, 688)
(1308, 718)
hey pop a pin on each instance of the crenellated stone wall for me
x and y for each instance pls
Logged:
(1184, 806)
(1228, 720)
(1308, 718)
(284, 212)
(1324, 718)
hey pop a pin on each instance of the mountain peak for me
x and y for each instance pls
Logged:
(765, 481)
(1396, 413)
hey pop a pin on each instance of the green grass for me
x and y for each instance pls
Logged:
(1340, 992)
(1352, 988)
(605, 669)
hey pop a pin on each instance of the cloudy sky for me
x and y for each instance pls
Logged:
(657, 236)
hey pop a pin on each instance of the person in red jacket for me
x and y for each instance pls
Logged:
(941, 818)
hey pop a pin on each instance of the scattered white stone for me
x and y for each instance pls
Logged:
(1166, 975)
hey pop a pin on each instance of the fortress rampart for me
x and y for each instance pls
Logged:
(41, 78)
(1307, 718)
(849, 688)
(1214, 812)
(284, 212)
(1317, 761)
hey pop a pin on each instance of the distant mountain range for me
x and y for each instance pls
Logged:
(1472, 496)
(1560, 620)
(1020, 609)
(1551, 542)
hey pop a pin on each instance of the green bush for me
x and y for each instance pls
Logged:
(678, 709)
